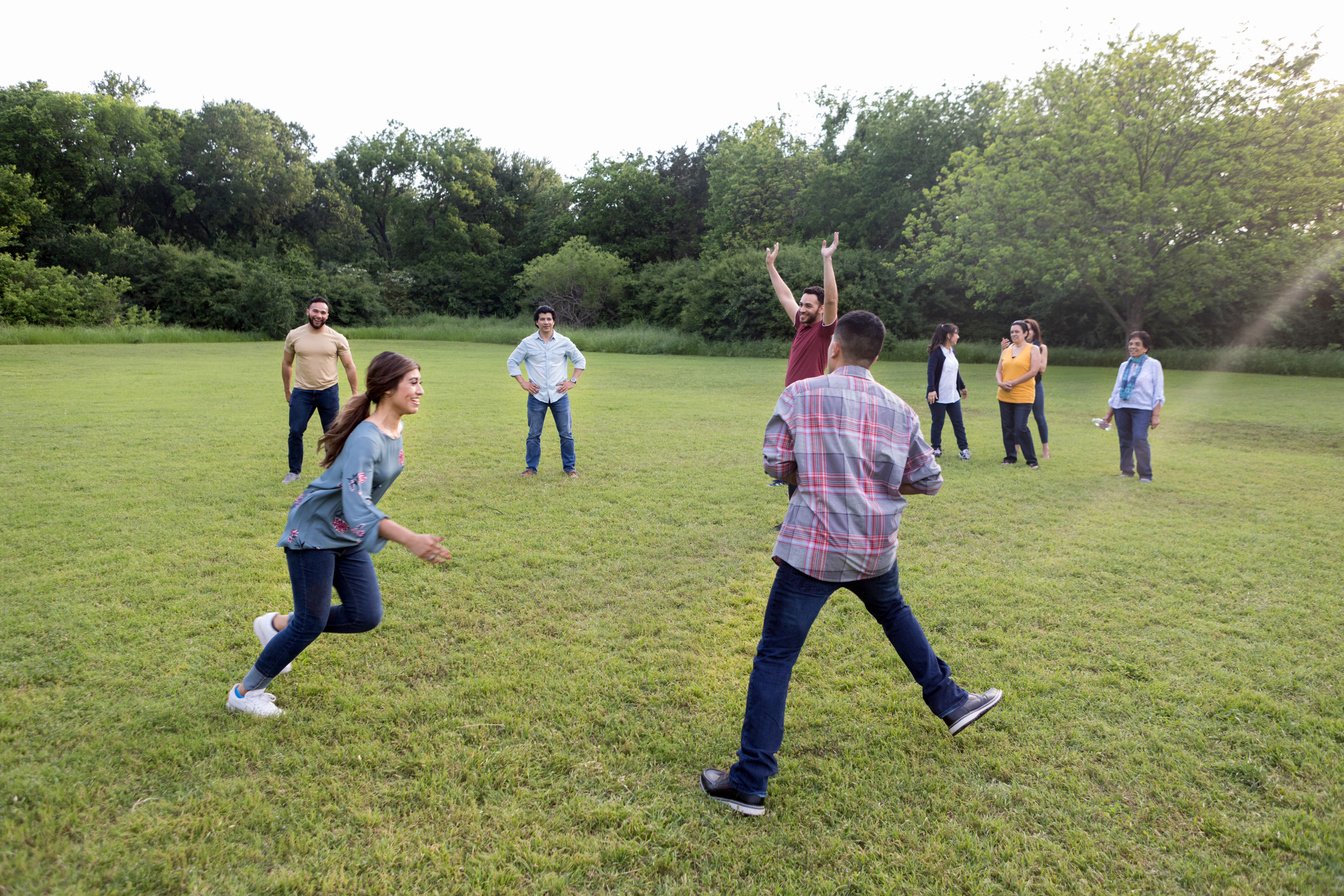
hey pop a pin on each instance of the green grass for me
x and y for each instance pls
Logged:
(532, 718)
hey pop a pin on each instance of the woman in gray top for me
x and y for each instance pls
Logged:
(334, 527)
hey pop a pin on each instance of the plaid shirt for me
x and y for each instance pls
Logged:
(853, 444)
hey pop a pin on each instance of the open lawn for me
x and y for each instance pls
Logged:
(533, 717)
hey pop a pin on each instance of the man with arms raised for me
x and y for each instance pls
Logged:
(813, 318)
(854, 450)
(311, 353)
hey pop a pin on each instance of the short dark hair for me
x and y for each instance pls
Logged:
(860, 334)
(816, 291)
(1142, 336)
(543, 309)
(322, 299)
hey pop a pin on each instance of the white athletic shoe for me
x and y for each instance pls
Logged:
(965, 454)
(254, 703)
(265, 631)
(289, 477)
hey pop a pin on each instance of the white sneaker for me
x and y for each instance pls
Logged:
(289, 477)
(965, 454)
(254, 703)
(265, 631)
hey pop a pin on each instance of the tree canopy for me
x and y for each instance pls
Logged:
(1146, 186)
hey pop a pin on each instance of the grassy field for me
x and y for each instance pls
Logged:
(533, 717)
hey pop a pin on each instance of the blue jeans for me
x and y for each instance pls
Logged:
(953, 412)
(312, 575)
(1013, 421)
(302, 403)
(1038, 411)
(1131, 425)
(795, 601)
(536, 416)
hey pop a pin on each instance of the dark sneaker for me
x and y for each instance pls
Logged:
(975, 706)
(529, 473)
(1008, 461)
(715, 783)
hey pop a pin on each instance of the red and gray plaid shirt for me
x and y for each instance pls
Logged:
(853, 444)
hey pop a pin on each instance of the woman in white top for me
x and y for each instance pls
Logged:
(1136, 404)
(945, 388)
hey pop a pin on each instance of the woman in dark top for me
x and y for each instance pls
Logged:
(1038, 406)
(945, 389)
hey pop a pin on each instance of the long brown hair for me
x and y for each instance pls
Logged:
(385, 372)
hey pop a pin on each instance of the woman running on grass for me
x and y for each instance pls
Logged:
(335, 525)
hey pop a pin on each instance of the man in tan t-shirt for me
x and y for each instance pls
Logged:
(316, 347)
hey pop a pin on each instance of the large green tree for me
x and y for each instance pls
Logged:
(1142, 186)
(898, 149)
(756, 177)
(245, 174)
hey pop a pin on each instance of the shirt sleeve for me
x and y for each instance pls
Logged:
(1159, 393)
(516, 358)
(576, 356)
(359, 515)
(921, 472)
(777, 449)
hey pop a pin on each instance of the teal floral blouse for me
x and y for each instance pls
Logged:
(339, 508)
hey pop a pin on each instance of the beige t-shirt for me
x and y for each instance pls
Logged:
(315, 355)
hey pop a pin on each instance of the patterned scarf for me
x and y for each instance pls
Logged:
(1131, 375)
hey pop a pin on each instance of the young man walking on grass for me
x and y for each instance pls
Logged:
(853, 449)
(311, 353)
(547, 356)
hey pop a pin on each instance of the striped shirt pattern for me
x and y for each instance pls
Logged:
(853, 443)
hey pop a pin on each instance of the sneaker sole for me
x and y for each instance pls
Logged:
(964, 723)
(743, 808)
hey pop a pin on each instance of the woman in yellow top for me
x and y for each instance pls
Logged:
(1016, 375)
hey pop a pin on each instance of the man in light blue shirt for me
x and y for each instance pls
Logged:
(547, 356)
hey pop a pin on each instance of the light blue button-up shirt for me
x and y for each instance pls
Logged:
(546, 362)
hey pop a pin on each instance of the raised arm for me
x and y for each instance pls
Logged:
(782, 291)
(830, 308)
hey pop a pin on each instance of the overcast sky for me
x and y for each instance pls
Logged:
(563, 81)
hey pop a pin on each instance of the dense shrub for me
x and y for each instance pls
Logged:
(33, 294)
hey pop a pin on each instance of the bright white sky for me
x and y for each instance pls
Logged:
(564, 80)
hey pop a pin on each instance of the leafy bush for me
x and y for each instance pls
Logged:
(583, 283)
(33, 294)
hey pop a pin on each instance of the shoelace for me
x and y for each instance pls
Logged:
(263, 695)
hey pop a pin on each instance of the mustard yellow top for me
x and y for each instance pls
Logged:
(1014, 369)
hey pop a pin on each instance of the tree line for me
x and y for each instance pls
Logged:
(1143, 188)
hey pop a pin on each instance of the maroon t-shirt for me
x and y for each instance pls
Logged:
(807, 355)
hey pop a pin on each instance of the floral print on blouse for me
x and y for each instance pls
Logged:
(339, 508)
